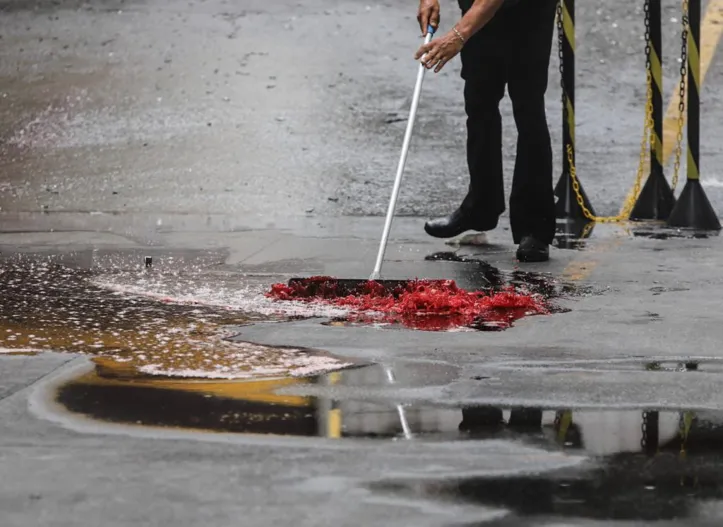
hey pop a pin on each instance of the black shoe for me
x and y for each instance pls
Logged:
(455, 224)
(533, 250)
(481, 419)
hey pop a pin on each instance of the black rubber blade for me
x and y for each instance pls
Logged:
(347, 286)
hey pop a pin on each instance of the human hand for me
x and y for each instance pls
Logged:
(439, 51)
(428, 15)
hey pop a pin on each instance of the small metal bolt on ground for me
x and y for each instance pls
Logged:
(148, 261)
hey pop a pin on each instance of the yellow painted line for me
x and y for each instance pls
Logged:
(578, 271)
(711, 29)
(110, 373)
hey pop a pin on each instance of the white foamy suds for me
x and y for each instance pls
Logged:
(299, 367)
(20, 350)
(245, 360)
(245, 300)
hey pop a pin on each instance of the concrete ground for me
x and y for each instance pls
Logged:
(243, 145)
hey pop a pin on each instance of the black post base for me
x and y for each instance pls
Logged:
(567, 206)
(656, 200)
(693, 210)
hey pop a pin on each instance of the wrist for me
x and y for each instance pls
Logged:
(459, 35)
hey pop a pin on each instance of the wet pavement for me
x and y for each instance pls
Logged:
(409, 427)
(50, 306)
(643, 464)
(162, 165)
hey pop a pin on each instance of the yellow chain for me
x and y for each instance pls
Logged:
(681, 105)
(644, 156)
(678, 152)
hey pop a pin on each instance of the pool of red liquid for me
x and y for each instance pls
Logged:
(432, 305)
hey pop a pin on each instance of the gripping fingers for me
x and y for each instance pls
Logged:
(427, 17)
(431, 58)
(423, 50)
(423, 18)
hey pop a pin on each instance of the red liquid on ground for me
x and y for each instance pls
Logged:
(432, 305)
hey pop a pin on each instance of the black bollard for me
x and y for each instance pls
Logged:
(656, 199)
(567, 205)
(693, 210)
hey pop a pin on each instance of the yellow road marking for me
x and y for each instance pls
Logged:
(578, 271)
(711, 29)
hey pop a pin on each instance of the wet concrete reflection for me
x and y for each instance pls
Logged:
(109, 393)
(573, 234)
(667, 234)
(648, 465)
(487, 276)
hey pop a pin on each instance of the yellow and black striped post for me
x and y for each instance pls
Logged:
(693, 210)
(567, 205)
(656, 200)
(329, 411)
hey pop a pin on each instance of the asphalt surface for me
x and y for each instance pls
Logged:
(283, 108)
(242, 145)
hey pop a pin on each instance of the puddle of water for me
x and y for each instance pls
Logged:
(541, 284)
(663, 234)
(671, 364)
(46, 306)
(572, 234)
(658, 290)
(647, 465)
(113, 394)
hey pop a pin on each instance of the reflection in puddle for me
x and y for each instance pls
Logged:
(667, 234)
(572, 234)
(649, 465)
(112, 394)
(486, 275)
(52, 307)
(646, 464)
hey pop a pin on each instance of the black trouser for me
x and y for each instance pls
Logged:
(513, 49)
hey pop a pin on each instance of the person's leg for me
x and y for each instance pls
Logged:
(483, 91)
(532, 202)
(484, 74)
